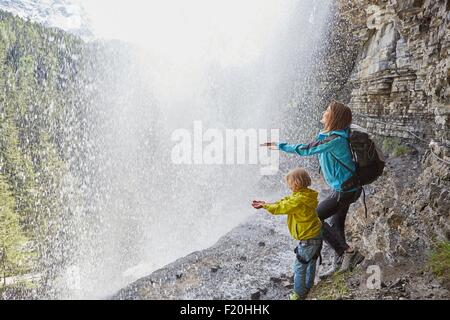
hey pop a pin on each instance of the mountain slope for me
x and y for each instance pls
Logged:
(67, 15)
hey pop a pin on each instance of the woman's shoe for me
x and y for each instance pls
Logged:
(348, 257)
(351, 260)
(357, 259)
(335, 266)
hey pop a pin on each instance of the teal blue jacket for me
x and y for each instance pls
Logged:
(324, 146)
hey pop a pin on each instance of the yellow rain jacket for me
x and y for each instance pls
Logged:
(300, 207)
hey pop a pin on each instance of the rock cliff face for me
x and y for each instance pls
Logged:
(399, 87)
(409, 210)
(400, 83)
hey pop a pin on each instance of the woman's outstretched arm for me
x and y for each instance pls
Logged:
(312, 148)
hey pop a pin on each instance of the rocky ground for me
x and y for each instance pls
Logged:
(254, 260)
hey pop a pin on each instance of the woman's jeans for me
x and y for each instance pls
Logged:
(304, 273)
(336, 206)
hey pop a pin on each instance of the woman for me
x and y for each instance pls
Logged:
(333, 150)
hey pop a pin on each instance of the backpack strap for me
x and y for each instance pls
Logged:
(327, 139)
(353, 172)
(343, 164)
(364, 201)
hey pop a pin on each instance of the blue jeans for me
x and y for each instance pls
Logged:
(304, 273)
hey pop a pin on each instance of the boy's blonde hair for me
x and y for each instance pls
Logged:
(298, 179)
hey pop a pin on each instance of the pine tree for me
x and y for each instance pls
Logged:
(43, 107)
(13, 257)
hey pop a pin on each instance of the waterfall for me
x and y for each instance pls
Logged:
(168, 66)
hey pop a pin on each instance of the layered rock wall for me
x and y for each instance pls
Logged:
(399, 87)
(400, 82)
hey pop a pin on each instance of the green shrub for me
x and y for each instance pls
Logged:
(395, 147)
(390, 143)
(401, 150)
(332, 289)
(439, 261)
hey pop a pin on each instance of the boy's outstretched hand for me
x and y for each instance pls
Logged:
(258, 204)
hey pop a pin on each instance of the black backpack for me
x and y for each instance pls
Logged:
(368, 158)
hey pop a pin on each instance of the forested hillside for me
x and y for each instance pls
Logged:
(42, 70)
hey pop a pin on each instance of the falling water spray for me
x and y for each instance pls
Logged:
(229, 65)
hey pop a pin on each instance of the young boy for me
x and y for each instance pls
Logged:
(304, 225)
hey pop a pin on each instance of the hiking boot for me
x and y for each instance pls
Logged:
(295, 296)
(357, 259)
(330, 272)
(348, 257)
(335, 265)
(351, 260)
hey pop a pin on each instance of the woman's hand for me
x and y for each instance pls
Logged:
(271, 145)
(258, 204)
